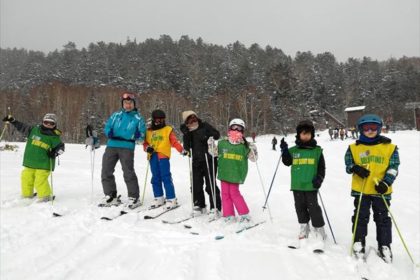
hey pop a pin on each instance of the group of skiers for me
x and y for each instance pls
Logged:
(372, 160)
(342, 133)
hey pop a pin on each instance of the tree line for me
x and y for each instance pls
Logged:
(270, 90)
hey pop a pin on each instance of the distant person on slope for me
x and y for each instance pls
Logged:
(374, 162)
(195, 136)
(274, 143)
(123, 129)
(307, 175)
(42, 147)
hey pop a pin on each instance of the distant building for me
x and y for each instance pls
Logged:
(353, 114)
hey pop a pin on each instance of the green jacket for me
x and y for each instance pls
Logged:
(232, 162)
(304, 167)
(40, 141)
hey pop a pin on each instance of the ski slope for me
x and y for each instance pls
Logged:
(79, 245)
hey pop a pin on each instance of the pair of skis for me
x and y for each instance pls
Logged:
(298, 245)
(245, 228)
(138, 210)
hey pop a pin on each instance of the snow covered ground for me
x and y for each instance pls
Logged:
(78, 245)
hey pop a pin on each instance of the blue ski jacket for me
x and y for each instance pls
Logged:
(124, 128)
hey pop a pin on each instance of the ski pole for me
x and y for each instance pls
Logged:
(5, 126)
(214, 178)
(326, 216)
(398, 230)
(191, 181)
(52, 190)
(272, 181)
(396, 226)
(262, 186)
(212, 188)
(4, 129)
(89, 136)
(357, 215)
(145, 181)
(92, 168)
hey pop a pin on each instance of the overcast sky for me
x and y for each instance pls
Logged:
(347, 28)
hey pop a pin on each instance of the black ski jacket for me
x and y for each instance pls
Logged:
(197, 140)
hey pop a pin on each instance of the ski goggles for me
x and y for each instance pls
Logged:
(128, 96)
(370, 126)
(48, 123)
(236, 128)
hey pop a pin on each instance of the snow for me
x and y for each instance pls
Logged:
(78, 245)
(358, 108)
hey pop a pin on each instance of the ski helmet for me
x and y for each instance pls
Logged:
(369, 118)
(237, 122)
(158, 114)
(128, 96)
(305, 125)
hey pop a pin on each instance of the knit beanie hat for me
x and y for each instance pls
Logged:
(187, 114)
(305, 125)
(50, 117)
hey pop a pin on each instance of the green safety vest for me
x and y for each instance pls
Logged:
(232, 162)
(37, 145)
(304, 167)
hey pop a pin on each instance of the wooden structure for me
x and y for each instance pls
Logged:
(331, 118)
(353, 114)
(416, 110)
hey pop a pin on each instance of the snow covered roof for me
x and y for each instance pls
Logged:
(358, 108)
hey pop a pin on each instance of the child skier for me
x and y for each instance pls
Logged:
(307, 174)
(159, 140)
(234, 153)
(374, 162)
(42, 147)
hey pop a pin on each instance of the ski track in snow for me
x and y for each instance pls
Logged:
(79, 245)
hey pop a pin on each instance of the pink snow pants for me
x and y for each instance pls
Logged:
(231, 199)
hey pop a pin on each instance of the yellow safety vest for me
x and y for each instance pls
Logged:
(375, 158)
(159, 140)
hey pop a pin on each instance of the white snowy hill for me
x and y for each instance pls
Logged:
(79, 245)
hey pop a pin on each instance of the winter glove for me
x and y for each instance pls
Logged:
(253, 153)
(150, 150)
(111, 134)
(185, 153)
(381, 187)
(137, 134)
(283, 145)
(9, 118)
(210, 141)
(316, 182)
(58, 150)
(360, 171)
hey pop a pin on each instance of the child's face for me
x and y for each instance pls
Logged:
(305, 136)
